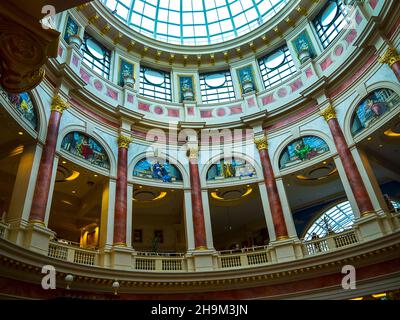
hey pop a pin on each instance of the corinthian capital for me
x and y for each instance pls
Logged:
(390, 57)
(328, 113)
(261, 142)
(59, 104)
(124, 141)
(193, 151)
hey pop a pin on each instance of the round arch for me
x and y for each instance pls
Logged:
(281, 147)
(239, 155)
(356, 101)
(81, 129)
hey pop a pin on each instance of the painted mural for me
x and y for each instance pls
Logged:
(186, 87)
(372, 108)
(303, 149)
(157, 169)
(230, 168)
(86, 148)
(126, 69)
(71, 29)
(246, 79)
(23, 103)
(303, 45)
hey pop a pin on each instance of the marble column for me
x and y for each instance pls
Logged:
(120, 211)
(272, 190)
(356, 183)
(200, 239)
(43, 181)
(392, 58)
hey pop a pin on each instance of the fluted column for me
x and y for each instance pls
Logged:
(200, 239)
(356, 183)
(392, 58)
(120, 213)
(43, 181)
(272, 190)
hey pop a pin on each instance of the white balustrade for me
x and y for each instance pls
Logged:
(3, 230)
(70, 253)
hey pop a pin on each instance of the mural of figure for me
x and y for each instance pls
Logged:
(157, 168)
(85, 148)
(229, 170)
(160, 172)
(302, 150)
(236, 168)
(23, 103)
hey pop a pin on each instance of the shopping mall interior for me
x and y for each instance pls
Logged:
(187, 149)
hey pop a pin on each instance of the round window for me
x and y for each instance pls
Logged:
(215, 80)
(275, 60)
(95, 49)
(154, 77)
(329, 14)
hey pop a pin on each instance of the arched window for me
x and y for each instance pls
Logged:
(303, 149)
(336, 219)
(157, 169)
(330, 21)
(372, 108)
(86, 148)
(230, 169)
(23, 104)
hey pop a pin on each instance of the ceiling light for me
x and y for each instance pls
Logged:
(73, 191)
(379, 295)
(73, 176)
(390, 133)
(64, 162)
(369, 138)
(324, 162)
(20, 133)
(95, 175)
(381, 145)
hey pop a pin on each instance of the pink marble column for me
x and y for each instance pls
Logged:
(272, 190)
(356, 183)
(43, 181)
(121, 203)
(200, 239)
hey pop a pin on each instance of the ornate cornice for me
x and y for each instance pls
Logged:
(59, 104)
(261, 142)
(390, 57)
(124, 141)
(328, 113)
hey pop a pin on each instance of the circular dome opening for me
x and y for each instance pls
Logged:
(194, 22)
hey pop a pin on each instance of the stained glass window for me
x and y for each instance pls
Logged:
(194, 22)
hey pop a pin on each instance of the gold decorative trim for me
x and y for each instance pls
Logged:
(120, 244)
(193, 152)
(367, 213)
(261, 142)
(124, 141)
(201, 248)
(328, 113)
(36, 221)
(282, 238)
(59, 104)
(390, 57)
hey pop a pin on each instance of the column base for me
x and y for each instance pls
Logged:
(121, 258)
(285, 249)
(202, 259)
(37, 238)
(369, 226)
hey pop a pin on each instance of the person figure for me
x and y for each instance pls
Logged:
(317, 245)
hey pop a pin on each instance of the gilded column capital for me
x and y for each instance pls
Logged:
(193, 152)
(261, 142)
(390, 57)
(59, 104)
(328, 113)
(124, 141)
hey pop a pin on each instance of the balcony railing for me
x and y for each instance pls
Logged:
(178, 262)
(3, 230)
(70, 253)
(330, 243)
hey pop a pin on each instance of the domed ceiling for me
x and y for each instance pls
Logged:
(194, 22)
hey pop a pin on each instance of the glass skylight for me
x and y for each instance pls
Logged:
(194, 22)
